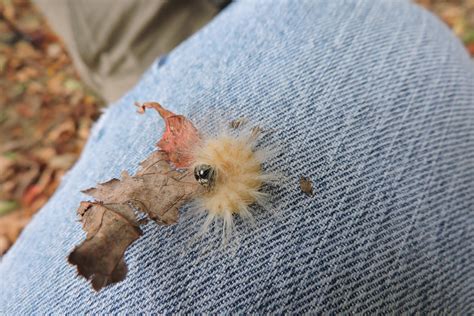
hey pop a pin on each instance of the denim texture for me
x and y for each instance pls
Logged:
(374, 100)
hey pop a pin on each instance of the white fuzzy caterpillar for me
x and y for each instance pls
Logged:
(227, 164)
(237, 178)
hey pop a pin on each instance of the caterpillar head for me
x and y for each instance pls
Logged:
(205, 175)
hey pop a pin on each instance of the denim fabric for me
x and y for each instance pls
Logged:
(374, 100)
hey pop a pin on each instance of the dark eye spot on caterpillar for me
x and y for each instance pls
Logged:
(205, 175)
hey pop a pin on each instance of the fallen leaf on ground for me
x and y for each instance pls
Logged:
(11, 225)
(7, 206)
(45, 115)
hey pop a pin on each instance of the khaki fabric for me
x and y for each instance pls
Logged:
(112, 42)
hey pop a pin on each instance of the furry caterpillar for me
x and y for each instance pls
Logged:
(227, 165)
(235, 179)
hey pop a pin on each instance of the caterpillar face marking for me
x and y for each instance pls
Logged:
(205, 175)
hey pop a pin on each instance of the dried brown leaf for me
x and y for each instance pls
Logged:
(110, 228)
(156, 189)
(180, 135)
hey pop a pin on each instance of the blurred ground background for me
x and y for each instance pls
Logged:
(45, 115)
(46, 112)
(458, 15)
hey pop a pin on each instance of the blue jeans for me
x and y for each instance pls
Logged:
(373, 100)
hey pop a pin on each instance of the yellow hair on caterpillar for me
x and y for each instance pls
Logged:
(230, 168)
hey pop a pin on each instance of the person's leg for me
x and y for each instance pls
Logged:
(373, 100)
(112, 42)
